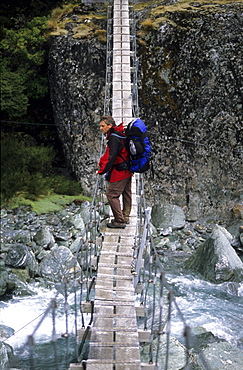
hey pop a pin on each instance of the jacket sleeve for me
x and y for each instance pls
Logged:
(113, 149)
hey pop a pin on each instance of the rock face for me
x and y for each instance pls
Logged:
(168, 215)
(216, 260)
(77, 68)
(190, 96)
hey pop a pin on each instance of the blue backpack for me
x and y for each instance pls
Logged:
(138, 145)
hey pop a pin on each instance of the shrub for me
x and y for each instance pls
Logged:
(63, 185)
(24, 167)
(101, 35)
(27, 169)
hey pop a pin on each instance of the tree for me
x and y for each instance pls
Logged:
(23, 55)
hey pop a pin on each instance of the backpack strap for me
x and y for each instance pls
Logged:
(120, 137)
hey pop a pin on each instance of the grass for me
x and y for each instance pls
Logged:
(157, 14)
(86, 24)
(50, 203)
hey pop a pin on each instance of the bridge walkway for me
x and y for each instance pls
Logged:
(114, 343)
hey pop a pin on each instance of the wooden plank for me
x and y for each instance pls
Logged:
(114, 340)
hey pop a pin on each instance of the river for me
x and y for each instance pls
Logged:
(213, 307)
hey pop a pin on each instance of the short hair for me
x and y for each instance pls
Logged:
(108, 120)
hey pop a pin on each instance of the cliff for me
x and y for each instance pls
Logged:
(190, 96)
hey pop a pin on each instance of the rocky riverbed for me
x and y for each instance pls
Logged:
(28, 241)
(44, 248)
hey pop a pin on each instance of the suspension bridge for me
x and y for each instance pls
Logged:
(123, 268)
(114, 342)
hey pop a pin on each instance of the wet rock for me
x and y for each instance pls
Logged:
(42, 254)
(85, 212)
(166, 231)
(22, 274)
(215, 259)
(19, 263)
(3, 282)
(18, 286)
(201, 338)
(44, 238)
(76, 245)
(5, 332)
(223, 356)
(24, 237)
(153, 230)
(14, 282)
(53, 219)
(4, 361)
(167, 215)
(177, 352)
(17, 256)
(233, 288)
(77, 221)
(58, 263)
(20, 256)
(241, 241)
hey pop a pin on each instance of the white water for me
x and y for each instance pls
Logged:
(23, 314)
(213, 307)
(203, 304)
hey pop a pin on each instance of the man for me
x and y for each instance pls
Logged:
(114, 164)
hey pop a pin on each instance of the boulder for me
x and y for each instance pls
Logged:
(76, 245)
(164, 216)
(77, 222)
(58, 263)
(21, 257)
(3, 282)
(17, 255)
(216, 260)
(177, 352)
(85, 211)
(19, 287)
(5, 332)
(223, 356)
(44, 238)
(3, 356)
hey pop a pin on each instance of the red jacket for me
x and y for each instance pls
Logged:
(115, 153)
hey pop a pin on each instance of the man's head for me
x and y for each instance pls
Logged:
(106, 122)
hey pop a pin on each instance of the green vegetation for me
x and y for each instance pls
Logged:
(157, 13)
(87, 24)
(49, 203)
(27, 170)
(22, 57)
(27, 163)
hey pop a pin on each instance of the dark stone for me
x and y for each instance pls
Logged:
(216, 260)
(167, 215)
(190, 66)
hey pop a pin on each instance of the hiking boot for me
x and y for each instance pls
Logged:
(126, 220)
(116, 225)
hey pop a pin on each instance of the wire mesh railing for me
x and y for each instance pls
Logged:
(108, 76)
(156, 295)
